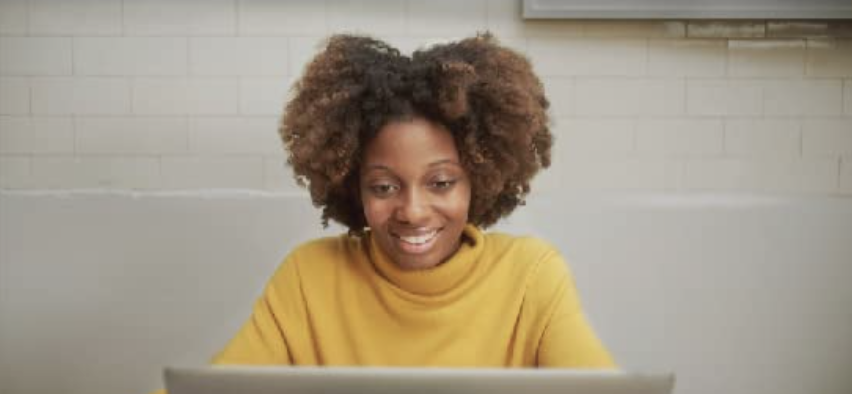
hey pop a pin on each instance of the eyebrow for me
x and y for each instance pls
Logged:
(432, 164)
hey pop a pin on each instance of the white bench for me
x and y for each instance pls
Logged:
(737, 294)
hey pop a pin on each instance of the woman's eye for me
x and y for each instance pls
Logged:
(383, 189)
(443, 184)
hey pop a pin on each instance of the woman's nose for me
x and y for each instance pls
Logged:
(413, 208)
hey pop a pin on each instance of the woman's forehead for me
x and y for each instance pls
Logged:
(416, 140)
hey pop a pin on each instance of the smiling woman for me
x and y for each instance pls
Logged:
(417, 156)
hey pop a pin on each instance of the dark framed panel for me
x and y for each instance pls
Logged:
(687, 9)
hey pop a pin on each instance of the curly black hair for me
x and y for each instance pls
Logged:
(485, 94)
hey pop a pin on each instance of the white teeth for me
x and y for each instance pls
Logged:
(421, 239)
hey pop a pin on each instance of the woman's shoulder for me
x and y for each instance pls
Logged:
(328, 244)
(522, 245)
(528, 252)
(533, 258)
(324, 252)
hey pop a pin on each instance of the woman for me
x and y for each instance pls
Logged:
(415, 156)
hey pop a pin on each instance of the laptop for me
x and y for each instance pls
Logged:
(387, 380)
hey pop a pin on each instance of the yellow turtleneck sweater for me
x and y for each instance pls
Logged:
(500, 301)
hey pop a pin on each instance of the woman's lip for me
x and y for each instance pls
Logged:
(411, 248)
(417, 233)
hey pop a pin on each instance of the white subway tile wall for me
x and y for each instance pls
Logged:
(36, 135)
(846, 177)
(212, 172)
(264, 96)
(14, 96)
(180, 18)
(759, 175)
(847, 97)
(238, 56)
(35, 56)
(127, 56)
(182, 94)
(281, 18)
(637, 97)
(722, 97)
(377, 17)
(803, 97)
(590, 56)
(75, 18)
(766, 58)
(762, 138)
(679, 137)
(445, 17)
(726, 29)
(185, 96)
(80, 95)
(686, 57)
(13, 17)
(827, 138)
(234, 136)
(130, 136)
(86, 172)
(15, 172)
(595, 138)
(829, 58)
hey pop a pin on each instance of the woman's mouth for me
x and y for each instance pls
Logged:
(416, 244)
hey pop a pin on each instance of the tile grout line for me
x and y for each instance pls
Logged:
(123, 32)
(237, 29)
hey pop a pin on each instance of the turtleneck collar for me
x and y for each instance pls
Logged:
(436, 280)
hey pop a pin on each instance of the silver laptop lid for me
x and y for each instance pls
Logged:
(373, 380)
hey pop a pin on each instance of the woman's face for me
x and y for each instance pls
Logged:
(415, 193)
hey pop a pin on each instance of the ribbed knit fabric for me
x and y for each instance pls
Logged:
(499, 301)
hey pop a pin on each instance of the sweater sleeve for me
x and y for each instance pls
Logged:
(262, 340)
(568, 340)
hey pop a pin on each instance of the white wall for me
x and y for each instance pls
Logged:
(742, 293)
(186, 94)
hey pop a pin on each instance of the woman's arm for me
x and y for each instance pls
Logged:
(263, 338)
(568, 340)
(259, 341)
